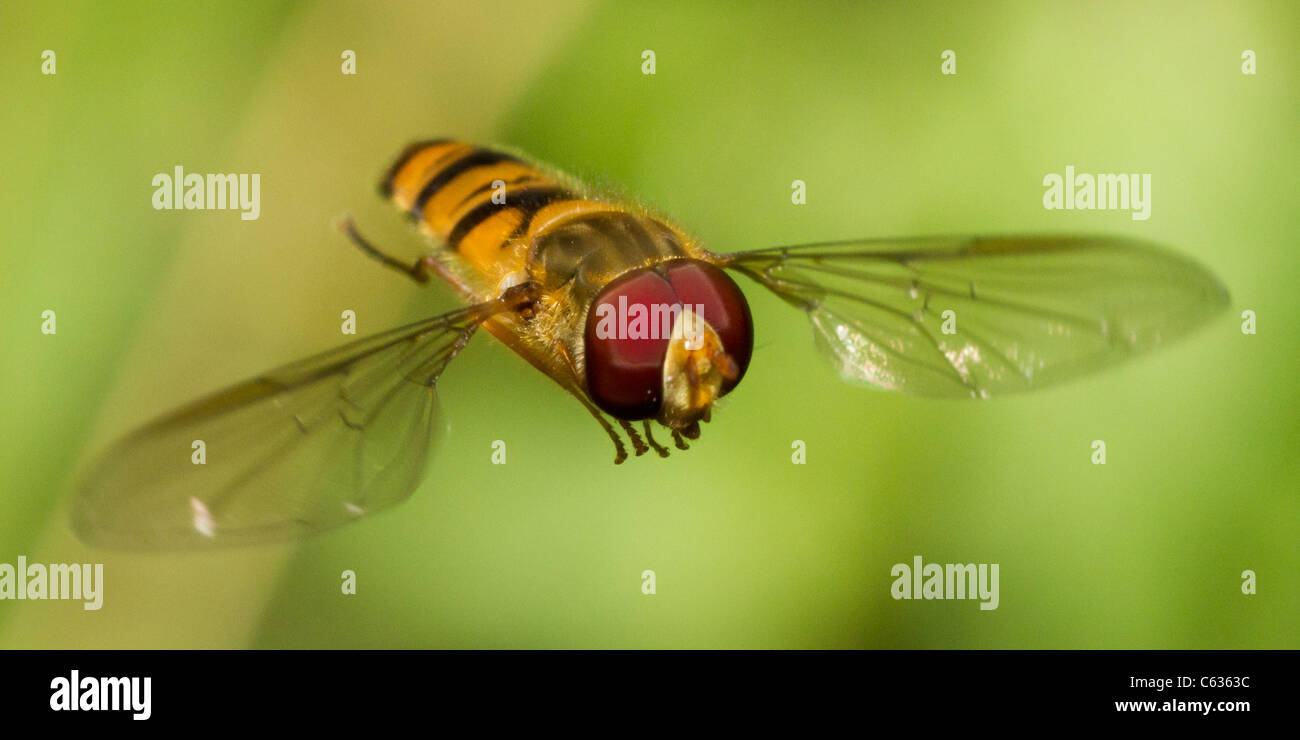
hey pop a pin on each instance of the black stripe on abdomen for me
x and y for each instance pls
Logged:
(480, 158)
(527, 201)
(386, 184)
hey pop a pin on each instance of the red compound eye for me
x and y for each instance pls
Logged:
(724, 308)
(625, 359)
(625, 374)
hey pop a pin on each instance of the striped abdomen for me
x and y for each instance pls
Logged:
(475, 200)
(504, 216)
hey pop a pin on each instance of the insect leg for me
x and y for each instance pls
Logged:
(637, 444)
(677, 440)
(650, 438)
(574, 387)
(418, 271)
(620, 452)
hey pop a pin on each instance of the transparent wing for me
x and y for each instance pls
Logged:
(305, 447)
(1026, 311)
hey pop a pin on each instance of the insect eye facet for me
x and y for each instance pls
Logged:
(722, 305)
(625, 345)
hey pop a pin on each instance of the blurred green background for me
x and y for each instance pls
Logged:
(155, 308)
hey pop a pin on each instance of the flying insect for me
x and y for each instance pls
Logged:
(634, 318)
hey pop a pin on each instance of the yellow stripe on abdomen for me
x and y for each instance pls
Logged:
(487, 206)
(441, 183)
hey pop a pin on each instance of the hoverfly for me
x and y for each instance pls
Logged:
(541, 261)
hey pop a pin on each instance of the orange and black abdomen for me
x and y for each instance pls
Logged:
(448, 186)
(502, 216)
